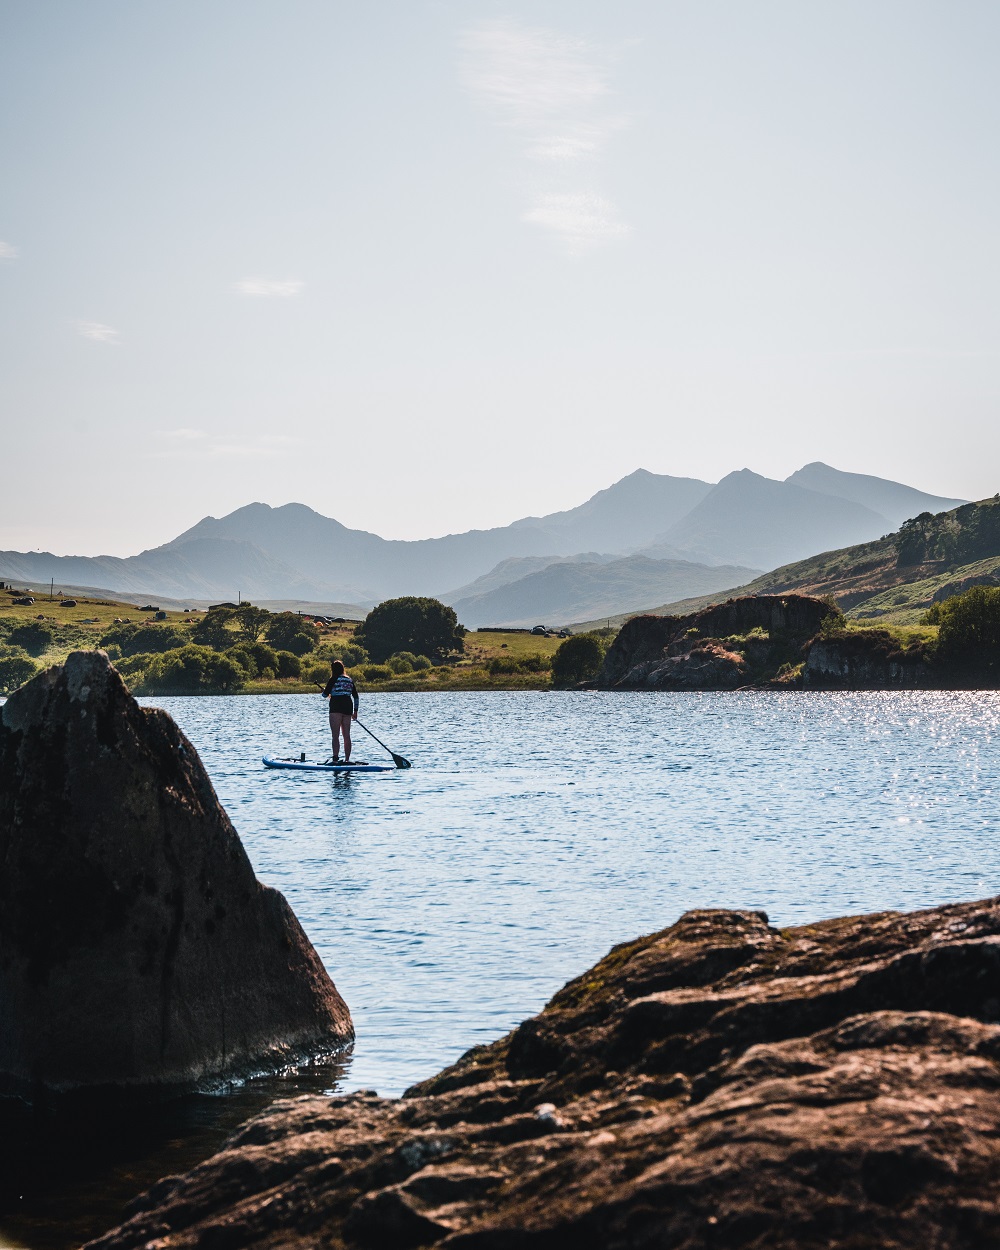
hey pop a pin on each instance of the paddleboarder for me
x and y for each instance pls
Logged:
(343, 696)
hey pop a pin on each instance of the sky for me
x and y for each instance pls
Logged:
(433, 265)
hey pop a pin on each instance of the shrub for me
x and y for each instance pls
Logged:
(499, 665)
(401, 662)
(32, 637)
(376, 672)
(144, 639)
(289, 664)
(422, 662)
(265, 657)
(242, 657)
(132, 665)
(319, 673)
(578, 659)
(418, 625)
(191, 670)
(969, 628)
(16, 667)
(287, 631)
(833, 625)
(353, 653)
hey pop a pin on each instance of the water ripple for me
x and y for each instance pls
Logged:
(536, 829)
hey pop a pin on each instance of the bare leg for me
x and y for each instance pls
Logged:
(335, 733)
(345, 727)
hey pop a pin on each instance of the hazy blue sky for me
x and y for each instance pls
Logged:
(427, 264)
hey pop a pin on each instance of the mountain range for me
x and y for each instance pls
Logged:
(893, 579)
(647, 537)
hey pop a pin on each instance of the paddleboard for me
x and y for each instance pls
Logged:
(271, 761)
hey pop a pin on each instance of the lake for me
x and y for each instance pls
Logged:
(535, 830)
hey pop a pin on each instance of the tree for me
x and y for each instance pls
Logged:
(32, 637)
(287, 631)
(577, 659)
(423, 626)
(969, 628)
(15, 669)
(213, 629)
(251, 621)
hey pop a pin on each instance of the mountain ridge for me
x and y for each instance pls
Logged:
(894, 578)
(294, 552)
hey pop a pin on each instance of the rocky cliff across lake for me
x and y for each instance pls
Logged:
(138, 951)
(773, 642)
(748, 641)
(722, 1083)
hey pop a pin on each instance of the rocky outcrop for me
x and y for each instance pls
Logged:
(870, 659)
(742, 641)
(704, 664)
(722, 1083)
(137, 949)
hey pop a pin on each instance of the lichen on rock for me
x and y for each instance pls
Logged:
(138, 951)
(722, 1083)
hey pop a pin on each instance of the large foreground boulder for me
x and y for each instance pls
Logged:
(137, 948)
(722, 1083)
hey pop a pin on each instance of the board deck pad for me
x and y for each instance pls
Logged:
(271, 761)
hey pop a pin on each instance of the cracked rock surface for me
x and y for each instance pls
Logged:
(138, 951)
(721, 1083)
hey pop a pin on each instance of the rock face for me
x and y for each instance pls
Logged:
(722, 1083)
(137, 948)
(743, 641)
(868, 659)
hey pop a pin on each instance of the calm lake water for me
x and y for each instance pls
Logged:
(535, 830)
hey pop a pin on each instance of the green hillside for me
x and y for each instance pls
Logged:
(894, 579)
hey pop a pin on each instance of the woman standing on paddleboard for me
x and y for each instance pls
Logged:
(343, 696)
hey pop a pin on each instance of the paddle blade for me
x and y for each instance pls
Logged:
(399, 761)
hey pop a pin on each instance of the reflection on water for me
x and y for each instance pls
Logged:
(535, 830)
(66, 1178)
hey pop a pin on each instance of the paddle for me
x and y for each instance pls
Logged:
(399, 760)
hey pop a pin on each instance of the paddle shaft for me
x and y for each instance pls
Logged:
(399, 760)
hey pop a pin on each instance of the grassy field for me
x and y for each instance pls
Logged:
(82, 626)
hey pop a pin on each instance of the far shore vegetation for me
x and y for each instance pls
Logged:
(249, 650)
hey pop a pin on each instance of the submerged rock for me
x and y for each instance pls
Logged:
(137, 948)
(722, 1083)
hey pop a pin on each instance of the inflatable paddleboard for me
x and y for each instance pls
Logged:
(271, 761)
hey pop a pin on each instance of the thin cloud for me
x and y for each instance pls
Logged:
(580, 220)
(8, 251)
(267, 288)
(184, 433)
(552, 90)
(193, 444)
(261, 447)
(554, 93)
(97, 332)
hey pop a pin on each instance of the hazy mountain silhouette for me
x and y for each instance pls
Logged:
(749, 519)
(515, 567)
(293, 552)
(571, 591)
(892, 500)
